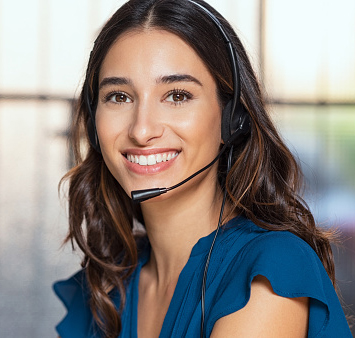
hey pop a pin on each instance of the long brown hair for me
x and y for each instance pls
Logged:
(263, 184)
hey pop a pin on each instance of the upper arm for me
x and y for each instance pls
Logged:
(265, 315)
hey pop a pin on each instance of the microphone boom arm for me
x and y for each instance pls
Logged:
(146, 194)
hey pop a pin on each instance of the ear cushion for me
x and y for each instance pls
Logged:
(94, 141)
(237, 127)
(226, 117)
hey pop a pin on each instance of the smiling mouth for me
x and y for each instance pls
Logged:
(151, 159)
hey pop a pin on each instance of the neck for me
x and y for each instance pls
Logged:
(174, 225)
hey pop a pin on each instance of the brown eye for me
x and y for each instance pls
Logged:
(121, 98)
(118, 98)
(178, 97)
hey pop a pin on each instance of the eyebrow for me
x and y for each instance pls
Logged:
(167, 79)
(178, 78)
(114, 81)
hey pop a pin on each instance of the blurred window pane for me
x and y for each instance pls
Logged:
(310, 50)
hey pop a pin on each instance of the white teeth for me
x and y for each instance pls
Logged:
(151, 159)
(143, 160)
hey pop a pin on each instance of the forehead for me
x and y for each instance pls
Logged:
(151, 52)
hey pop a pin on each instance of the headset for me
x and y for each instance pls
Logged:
(235, 128)
(235, 117)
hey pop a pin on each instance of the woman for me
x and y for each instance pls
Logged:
(163, 98)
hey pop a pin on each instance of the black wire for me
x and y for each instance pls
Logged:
(201, 170)
(203, 288)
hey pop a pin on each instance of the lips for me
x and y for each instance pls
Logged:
(151, 159)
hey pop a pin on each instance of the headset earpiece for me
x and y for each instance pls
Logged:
(226, 119)
(235, 126)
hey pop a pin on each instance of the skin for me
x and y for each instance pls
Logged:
(266, 315)
(156, 95)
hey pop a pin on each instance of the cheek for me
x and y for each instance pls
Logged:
(108, 130)
(108, 137)
(202, 138)
(208, 128)
(102, 128)
(209, 122)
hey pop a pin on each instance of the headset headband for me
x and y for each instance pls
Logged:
(234, 115)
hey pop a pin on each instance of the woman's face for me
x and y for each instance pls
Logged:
(158, 116)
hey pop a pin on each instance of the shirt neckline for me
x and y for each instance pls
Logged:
(201, 247)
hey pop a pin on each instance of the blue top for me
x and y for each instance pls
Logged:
(241, 252)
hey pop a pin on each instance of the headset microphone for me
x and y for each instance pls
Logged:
(146, 194)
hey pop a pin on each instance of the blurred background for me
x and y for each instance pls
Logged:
(304, 53)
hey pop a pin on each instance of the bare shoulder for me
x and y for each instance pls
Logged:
(265, 315)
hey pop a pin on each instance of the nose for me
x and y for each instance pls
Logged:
(145, 125)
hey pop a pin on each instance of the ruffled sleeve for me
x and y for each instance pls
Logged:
(73, 292)
(293, 270)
